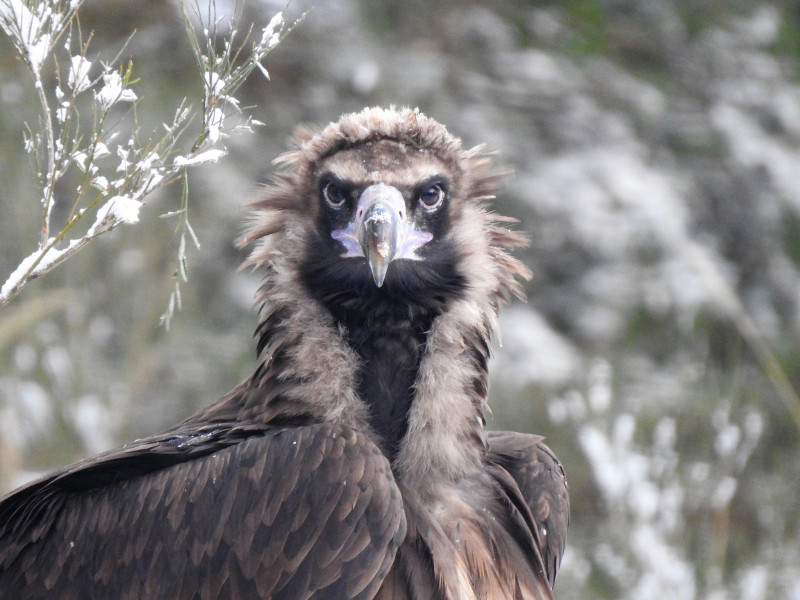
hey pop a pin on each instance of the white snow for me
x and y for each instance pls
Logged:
(214, 85)
(78, 78)
(28, 29)
(113, 91)
(45, 261)
(101, 150)
(62, 112)
(80, 159)
(209, 156)
(117, 209)
(270, 36)
(215, 123)
(99, 182)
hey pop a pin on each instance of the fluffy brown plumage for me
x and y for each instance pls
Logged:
(354, 463)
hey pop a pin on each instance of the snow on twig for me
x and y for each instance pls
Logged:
(117, 173)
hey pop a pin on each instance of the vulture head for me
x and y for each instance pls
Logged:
(387, 204)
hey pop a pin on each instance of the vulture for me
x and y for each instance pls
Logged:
(354, 463)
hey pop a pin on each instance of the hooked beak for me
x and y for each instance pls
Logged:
(380, 231)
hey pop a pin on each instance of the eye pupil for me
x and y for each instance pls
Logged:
(335, 194)
(432, 196)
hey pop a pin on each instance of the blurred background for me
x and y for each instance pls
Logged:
(656, 147)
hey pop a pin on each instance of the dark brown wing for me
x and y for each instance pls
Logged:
(543, 484)
(305, 512)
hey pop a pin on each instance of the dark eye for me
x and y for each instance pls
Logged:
(335, 194)
(432, 196)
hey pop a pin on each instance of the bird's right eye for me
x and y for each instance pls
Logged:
(335, 194)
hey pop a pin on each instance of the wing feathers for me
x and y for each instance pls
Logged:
(543, 485)
(288, 513)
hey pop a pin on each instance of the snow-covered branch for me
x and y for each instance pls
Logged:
(116, 171)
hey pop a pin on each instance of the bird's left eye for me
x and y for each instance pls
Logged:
(335, 194)
(432, 196)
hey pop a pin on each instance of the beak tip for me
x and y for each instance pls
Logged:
(378, 274)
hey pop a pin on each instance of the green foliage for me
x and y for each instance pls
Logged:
(589, 20)
(788, 42)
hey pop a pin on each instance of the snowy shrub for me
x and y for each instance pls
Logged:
(88, 129)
